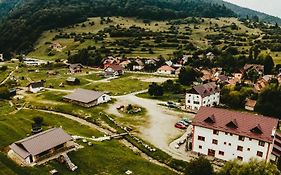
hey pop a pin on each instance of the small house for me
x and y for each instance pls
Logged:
(250, 104)
(263, 82)
(87, 98)
(35, 87)
(138, 65)
(167, 70)
(72, 81)
(113, 70)
(75, 68)
(41, 146)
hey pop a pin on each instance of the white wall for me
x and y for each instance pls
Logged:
(167, 72)
(35, 90)
(103, 99)
(230, 151)
(206, 101)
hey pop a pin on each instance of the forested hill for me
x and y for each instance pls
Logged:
(25, 23)
(6, 6)
(244, 12)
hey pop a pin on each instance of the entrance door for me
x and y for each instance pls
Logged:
(211, 152)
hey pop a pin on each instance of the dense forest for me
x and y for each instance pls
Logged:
(6, 6)
(22, 26)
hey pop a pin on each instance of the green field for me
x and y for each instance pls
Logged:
(102, 158)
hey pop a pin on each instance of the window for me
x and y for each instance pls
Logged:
(200, 147)
(221, 153)
(239, 148)
(196, 102)
(201, 138)
(249, 149)
(188, 101)
(259, 153)
(250, 139)
(261, 143)
(215, 141)
(241, 138)
(230, 134)
(216, 132)
(226, 133)
(240, 158)
(224, 143)
(229, 144)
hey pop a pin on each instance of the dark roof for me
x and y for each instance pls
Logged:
(36, 84)
(75, 66)
(244, 124)
(84, 96)
(205, 90)
(40, 142)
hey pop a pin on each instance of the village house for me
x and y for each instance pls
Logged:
(259, 69)
(33, 62)
(87, 98)
(72, 81)
(263, 82)
(202, 95)
(166, 70)
(57, 46)
(250, 104)
(228, 135)
(113, 70)
(111, 61)
(40, 146)
(35, 87)
(138, 65)
(75, 68)
(125, 63)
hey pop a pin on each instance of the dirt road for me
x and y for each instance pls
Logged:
(160, 130)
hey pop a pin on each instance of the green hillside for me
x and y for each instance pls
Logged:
(25, 23)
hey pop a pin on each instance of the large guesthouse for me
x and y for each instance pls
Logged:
(229, 135)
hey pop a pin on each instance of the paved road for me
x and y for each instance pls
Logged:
(160, 130)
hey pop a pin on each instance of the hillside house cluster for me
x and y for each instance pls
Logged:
(229, 135)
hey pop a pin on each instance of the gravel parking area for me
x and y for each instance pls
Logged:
(160, 131)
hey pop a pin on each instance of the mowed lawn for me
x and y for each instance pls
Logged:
(123, 85)
(102, 158)
(27, 74)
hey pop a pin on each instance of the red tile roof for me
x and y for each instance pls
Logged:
(166, 68)
(246, 123)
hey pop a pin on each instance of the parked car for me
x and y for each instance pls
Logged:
(177, 146)
(184, 123)
(171, 104)
(187, 120)
(180, 126)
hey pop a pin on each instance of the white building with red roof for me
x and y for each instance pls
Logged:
(202, 95)
(229, 135)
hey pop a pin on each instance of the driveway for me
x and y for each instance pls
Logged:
(160, 131)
